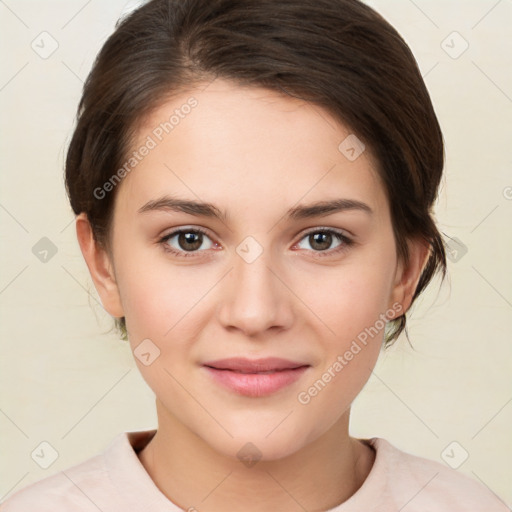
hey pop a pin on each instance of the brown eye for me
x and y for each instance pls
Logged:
(185, 241)
(190, 240)
(321, 241)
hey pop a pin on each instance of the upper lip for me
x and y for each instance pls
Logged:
(243, 364)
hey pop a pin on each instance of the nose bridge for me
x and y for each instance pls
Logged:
(256, 298)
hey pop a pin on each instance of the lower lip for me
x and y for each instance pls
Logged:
(256, 384)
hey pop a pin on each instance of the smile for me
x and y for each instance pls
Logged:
(255, 378)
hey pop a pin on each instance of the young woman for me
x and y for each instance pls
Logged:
(253, 182)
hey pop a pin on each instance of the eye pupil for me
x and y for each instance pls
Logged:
(324, 240)
(196, 239)
(192, 240)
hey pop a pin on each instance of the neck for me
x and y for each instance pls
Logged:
(319, 476)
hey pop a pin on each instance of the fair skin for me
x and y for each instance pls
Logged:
(254, 154)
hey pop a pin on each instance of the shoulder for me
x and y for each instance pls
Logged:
(112, 480)
(76, 488)
(424, 483)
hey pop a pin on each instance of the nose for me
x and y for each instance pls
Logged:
(255, 296)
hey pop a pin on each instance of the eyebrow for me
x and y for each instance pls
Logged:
(202, 209)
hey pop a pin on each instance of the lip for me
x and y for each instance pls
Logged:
(245, 365)
(255, 377)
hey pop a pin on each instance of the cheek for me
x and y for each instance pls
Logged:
(158, 302)
(349, 303)
(162, 300)
(158, 296)
(337, 383)
(348, 299)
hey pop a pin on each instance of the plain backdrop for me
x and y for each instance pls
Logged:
(68, 381)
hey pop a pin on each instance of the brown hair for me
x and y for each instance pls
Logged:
(338, 54)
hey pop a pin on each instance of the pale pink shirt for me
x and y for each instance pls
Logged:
(115, 480)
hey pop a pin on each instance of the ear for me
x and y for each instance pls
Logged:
(407, 277)
(100, 267)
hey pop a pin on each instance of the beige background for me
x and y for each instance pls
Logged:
(66, 380)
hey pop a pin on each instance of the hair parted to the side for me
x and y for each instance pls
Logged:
(338, 54)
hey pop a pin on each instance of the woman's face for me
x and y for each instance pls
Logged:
(262, 281)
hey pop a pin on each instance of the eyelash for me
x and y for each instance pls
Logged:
(346, 242)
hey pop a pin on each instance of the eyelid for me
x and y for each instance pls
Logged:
(345, 236)
(346, 241)
(319, 229)
(176, 231)
(314, 229)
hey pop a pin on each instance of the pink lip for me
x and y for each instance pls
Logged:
(245, 377)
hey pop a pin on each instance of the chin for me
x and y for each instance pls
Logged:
(252, 442)
(250, 452)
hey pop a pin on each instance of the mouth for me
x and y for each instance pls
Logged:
(255, 377)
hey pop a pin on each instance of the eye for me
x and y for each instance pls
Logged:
(187, 240)
(321, 239)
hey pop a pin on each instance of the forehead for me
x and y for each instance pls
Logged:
(248, 145)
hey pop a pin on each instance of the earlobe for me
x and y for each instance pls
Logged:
(407, 277)
(100, 267)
